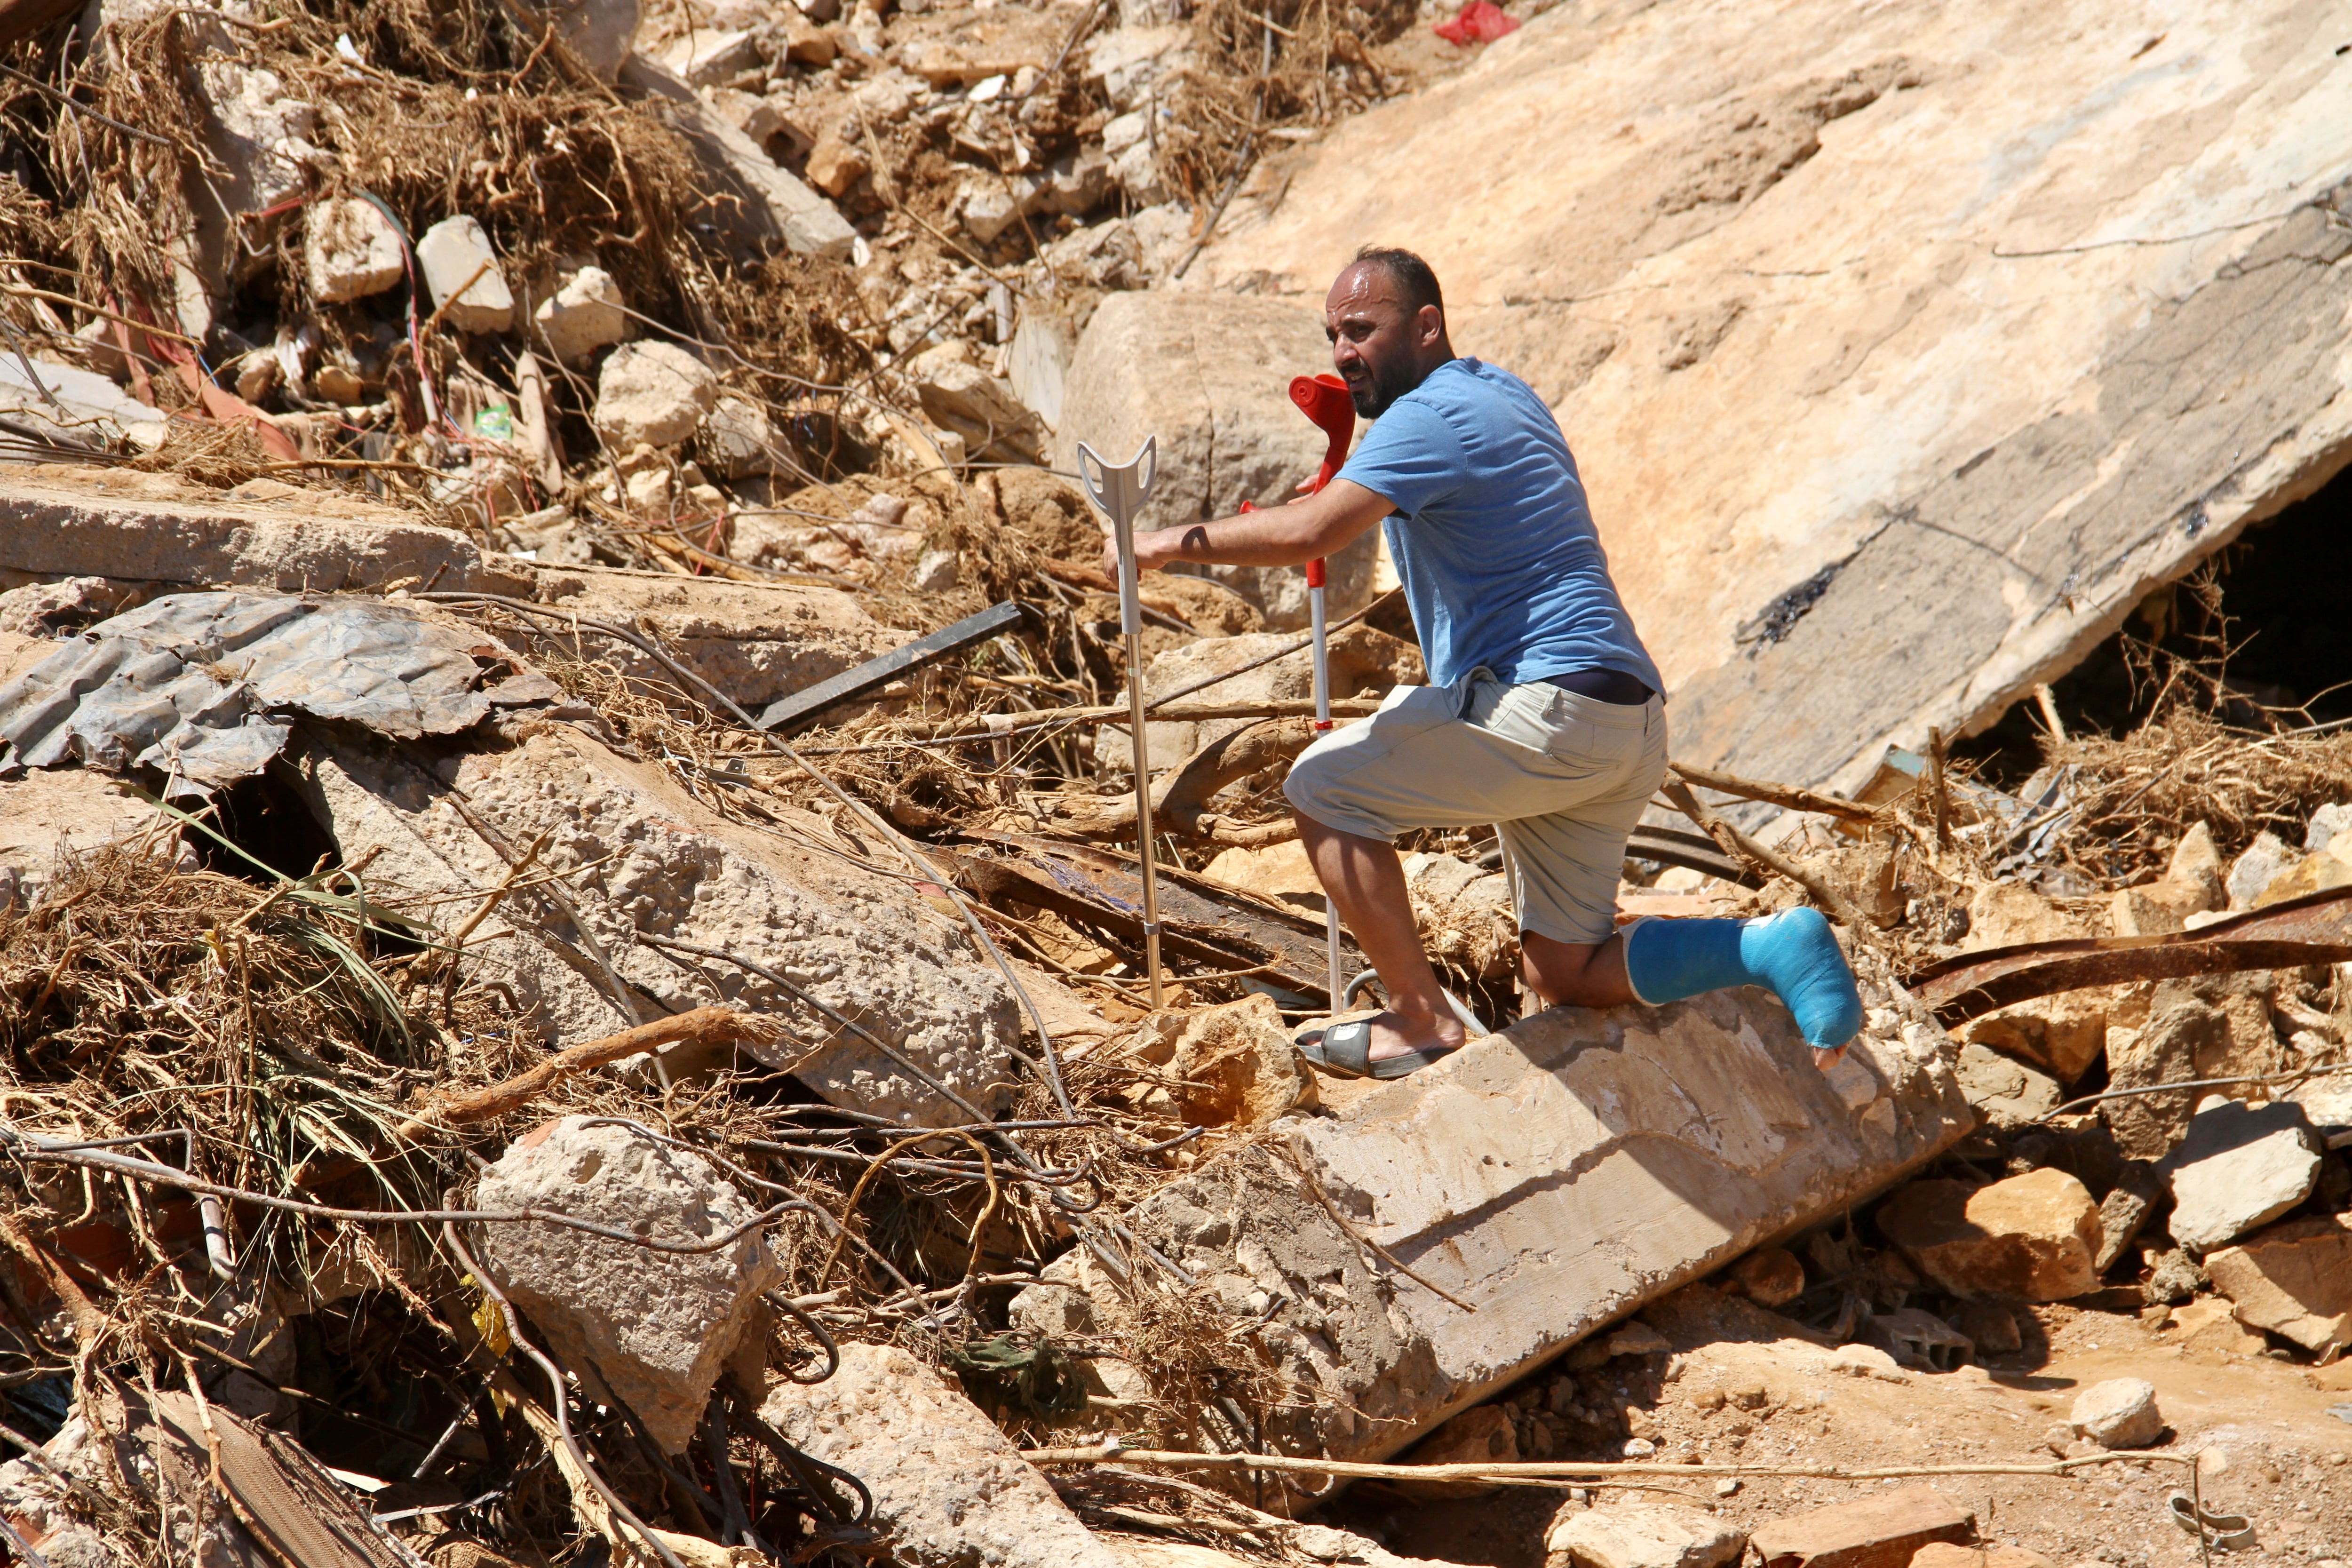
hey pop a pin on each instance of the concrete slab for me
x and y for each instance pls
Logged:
(1550, 1179)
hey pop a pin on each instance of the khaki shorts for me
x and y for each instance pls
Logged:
(1563, 778)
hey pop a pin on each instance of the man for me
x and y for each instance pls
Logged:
(1542, 715)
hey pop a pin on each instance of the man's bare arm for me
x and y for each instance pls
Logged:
(1281, 536)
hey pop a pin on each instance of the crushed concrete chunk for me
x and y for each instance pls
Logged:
(652, 394)
(949, 1490)
(600, 33)
(2120, 1413)
(2239, 1168)
(462, 276)
(1231, 1065)
(2293, 1280)
(1639, 1533)
(350, 250)
(74, 406)
(2031, 1238)
(707, 57)
(2008, 1093)
(656, 1327)
(1869, 1532)
(586, 313)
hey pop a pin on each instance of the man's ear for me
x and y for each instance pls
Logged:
(1429, 324)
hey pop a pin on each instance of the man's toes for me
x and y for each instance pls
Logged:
(1827, 1059)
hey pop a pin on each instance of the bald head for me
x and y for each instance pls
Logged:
(1386, 320)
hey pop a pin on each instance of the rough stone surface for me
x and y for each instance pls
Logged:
(1941, 1554)
(656, 863)
(705, 57)
(350, 250)
(90, 410)
(959, 396)
(1556, 1175)
(1879, 1531)
(1228, 1067)
(586, 313)
(2239, 1167)
(449, 254)
(2009, 1094)
(904, 1431)
(768, 205)
(2256, 866)
(1751, 423)
(1639, 1533)
(655, 393)
(1989, 1326)
(48, 610)
(47, 814)
(737, 438)
(2120, 1413)
(656, 1327)
(1482, 1435)
(1219, 404)
(600, 33)
(2293, 1279)
(1769, 1276)
(2163, 1050)
(142, 528)
(2031, 1237)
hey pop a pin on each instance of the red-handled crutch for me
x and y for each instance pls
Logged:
(1325, 400)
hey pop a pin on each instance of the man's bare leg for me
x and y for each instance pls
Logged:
(1365, 882)
(1574, 974)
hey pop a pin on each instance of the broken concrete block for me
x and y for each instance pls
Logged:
(74, 406)
(2239, 1168)
(2293, 1280)
(2061, 1035)
(350, 250)
(1918, 1340)
(708, 57)
(762, 204)
(838, 160)
(2031, 1237)
(1769, 1276)
(737, 439)
(1639, 1533)
(46, 610)
(586, 313)
(462, 277)
(656, 1327)
(936, 571)
(600, 33)
(959, 396)
(147, 530)
(654, 394)
(1226, 428)
(2009, 1094)
(2255, 867)
(1653, 1145)
(1232, 1066)
(949, 1490)
(2120, 1413)
(47, 814)
(1881, 1531)
(2165, 1049)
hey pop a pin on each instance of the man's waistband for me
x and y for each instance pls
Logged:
(1611, 685)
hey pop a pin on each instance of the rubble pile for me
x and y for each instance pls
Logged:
(573, 967)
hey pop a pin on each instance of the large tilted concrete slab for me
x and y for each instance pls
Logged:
(1554, 1177)
(1905, 348)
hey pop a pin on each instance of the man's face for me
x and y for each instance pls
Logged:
(1376, 344)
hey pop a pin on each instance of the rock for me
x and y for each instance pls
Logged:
(142, 529)
(2310, 874)
(2239, 1168)
(836, 162)
(598, 33)
(2164, 1050)
(2213, 1327)
(1769, 1276)
(1881, 1531)
(1990, 1327)
(350, 250)
(2293, 1280)
(462, 277)
(2191, 884)
(1482, 1435)
(2124, 1211)
(708, 57)
(936, 571)
(2173, 1277)
(1219, 405)
(656, 1328)
(2327, 1102)
(1232, 1066)
(1039, 363)
(759, 205)
(1636, 1340)
(1128, 59)
(1601, 1126)
(2255, 867)
(96, 412)
(585, 313)
(668, 868)
(952, 49)
(2031, 1237)
(1941, 1554)
(1639, 1533)
(654, 394)
(256, 141)
(2326, 824)
(47, 814)
(2118, 1414)
(949, 1490)
(1919, 1340)
(48, 610)
(1759, 152)
(738, 441)
(2008, 1093)
(959, 396)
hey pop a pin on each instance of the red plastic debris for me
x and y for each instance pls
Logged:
(1481, 22)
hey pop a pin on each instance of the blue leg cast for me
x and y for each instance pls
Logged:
(1793, 953)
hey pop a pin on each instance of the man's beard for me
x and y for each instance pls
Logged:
(1374, 395)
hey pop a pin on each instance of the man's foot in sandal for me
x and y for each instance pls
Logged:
(1388, 1045)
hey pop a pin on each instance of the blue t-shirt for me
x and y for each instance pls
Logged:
(1500, 560)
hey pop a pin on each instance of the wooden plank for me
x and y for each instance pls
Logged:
(787, 711)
